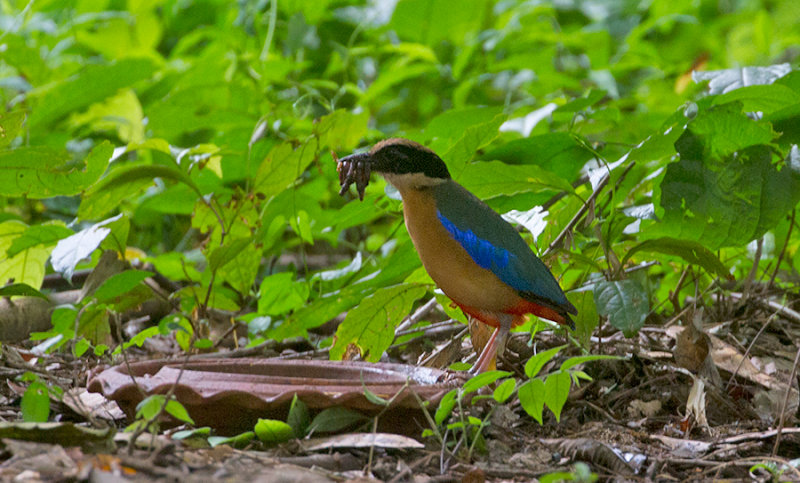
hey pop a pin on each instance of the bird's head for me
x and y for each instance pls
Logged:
(405, 164)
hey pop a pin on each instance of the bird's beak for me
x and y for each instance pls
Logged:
(356, 158)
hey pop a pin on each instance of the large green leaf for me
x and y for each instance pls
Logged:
(124, 181)
(493, 178)
(729, 201)
(280, 293)
(557, 152)
(10, 126)
(282, 166)
(762, 98)
(342, 130)
(45, 235)
(371, 324)
(474, 138)
(431, 21)
(42, 172)
(691, 251)
(92, 84)
(624, 302)
(27, 265)
(722, 130)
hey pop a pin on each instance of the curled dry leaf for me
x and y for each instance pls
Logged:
(352, 169)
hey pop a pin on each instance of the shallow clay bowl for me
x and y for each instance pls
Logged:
(231, 394)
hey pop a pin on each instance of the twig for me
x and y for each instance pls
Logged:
(783, 251)
(582, 211)
(771, 305)
(418, 315)
(454, 340)
(748, 282)
(675, 296)
(785, 403)
(749, 346)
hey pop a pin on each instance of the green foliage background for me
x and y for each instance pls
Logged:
(208, 125)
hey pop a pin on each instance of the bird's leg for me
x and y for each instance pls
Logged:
(496, 345)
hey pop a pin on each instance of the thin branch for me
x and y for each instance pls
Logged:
(785, 403)
(783, 251)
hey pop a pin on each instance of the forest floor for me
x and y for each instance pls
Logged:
(646, 416)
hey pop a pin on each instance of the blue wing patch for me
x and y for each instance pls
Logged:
(496, 246)
(486, 255)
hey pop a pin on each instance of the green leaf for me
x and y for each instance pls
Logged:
(117, 239)
(763, 98)
(10, 126)
(93, 325)
(27, 266)
(431, 21)
(273, 431)
(281, 167)
(531, 398)
(225, 254)
(80, 348)
(242, 272)
(624, 302)
(238, 441)
(94, 83)
(299, 418)
(119, 284)
(446, 406)
(538, 361)
(35, 403)
(556, 391)
(177, 411)
(474, 138)
(730, 201)
(493, 178)
(505, 390)
(125, 181)
(371, 324)
(482, 380)
(42, 172)
(149, 407)
(335, 419)
(21, 289)
(138, 339)
(342, 130)
(451, 124)
(574, 361)
(203, 432)
(203, 344)
(45, 235)
(720, 131)
(556, 152)
(280, 293)
(301, 224)
(586, 320)
(691, 251)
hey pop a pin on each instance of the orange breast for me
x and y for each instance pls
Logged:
(449, 265)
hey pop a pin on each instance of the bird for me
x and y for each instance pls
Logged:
(473, 255)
